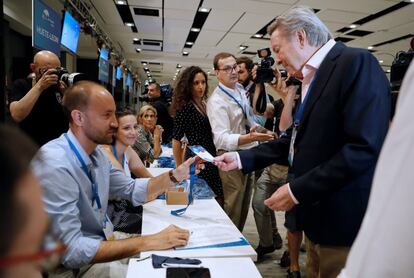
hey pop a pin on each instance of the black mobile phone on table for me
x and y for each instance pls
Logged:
(188, 272)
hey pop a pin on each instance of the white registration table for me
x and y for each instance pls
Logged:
(228, 261)
(201, 214)
(219, 268)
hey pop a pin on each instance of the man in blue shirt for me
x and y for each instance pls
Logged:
(77, 179)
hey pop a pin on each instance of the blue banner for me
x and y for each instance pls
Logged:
(129, 80)
(119, 72)
(46, 27)
(104, 53)
(103, 70)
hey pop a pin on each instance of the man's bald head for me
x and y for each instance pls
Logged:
(78, 96)
(44, 60)
(45, 56)
(91, 110)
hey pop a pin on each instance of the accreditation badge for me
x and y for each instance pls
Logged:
(108, 228)
(292, 146)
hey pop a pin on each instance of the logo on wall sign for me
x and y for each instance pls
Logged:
(58, 97)
(46, 16)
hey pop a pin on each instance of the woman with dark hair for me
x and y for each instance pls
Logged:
(191, 122)
(122, 213)
(120, 151)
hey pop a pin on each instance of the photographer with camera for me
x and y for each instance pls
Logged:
(279, 113)
(164, 119)
(35, 104)
(276, 175)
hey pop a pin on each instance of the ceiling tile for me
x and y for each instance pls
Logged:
(143, 3)
(250, 23)
(209, 38)
(179, 4)
(179, 14)
(340, 16)
(220, 20)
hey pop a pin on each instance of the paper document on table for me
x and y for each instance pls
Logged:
(202, 153)
(211, 235)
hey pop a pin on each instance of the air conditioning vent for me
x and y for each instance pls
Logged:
(147, 12)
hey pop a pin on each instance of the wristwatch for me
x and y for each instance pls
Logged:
(171, 175)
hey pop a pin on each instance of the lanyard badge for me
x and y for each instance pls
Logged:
(193, 177)
(108, 228)
(292, 146)
(296, 123)
(95, 194)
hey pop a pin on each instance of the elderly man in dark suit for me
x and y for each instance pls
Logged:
(339, 128)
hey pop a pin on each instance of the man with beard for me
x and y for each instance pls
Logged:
(255, 93)
(77, 179)
(35, 104)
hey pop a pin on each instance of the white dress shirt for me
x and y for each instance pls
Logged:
(227, 119)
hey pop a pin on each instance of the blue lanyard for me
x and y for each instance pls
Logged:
(231, 96)
(116, 156)
(95, 196)
(301, 108)
(193, 178)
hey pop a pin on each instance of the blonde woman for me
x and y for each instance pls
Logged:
(148, 142)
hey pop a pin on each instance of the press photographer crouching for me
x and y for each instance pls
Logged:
(35, 103)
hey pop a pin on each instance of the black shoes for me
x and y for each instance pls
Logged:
(277, 244)
(277, 241)
(261, 251)
(293, 274)
(285, 259)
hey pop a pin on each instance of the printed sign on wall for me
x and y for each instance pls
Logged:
(46, 27)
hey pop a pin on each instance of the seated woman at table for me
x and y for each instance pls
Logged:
(122, 213)
(191, 121)
(148, 142)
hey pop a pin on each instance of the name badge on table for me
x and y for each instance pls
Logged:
(108, 228)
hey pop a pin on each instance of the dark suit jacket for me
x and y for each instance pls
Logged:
(337, 145)
(164, 119)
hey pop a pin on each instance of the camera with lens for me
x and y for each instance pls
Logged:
(291, 81)
(264, 70)
(144, 98)
(399, 68)
(69, 78)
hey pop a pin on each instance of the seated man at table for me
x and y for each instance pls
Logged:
(78, 178)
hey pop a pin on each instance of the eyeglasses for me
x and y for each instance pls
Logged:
(48, 258)
(229, 69)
